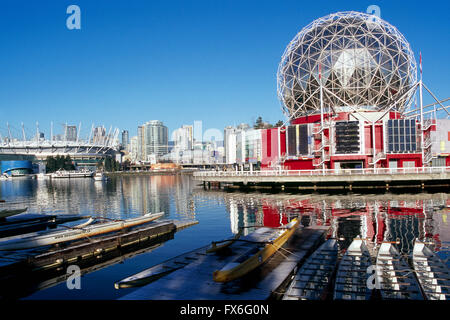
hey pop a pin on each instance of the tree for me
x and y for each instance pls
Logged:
(258, 123)
(278, 124)
(50, 164)
(68, 164)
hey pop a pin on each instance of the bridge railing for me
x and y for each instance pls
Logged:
(323, 172)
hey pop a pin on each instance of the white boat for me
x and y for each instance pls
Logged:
(395, 278)
(432, 273)
(99, 176)
(85, 230)
(43, 175)
(351, 277)
(83, 173)
(312, 280)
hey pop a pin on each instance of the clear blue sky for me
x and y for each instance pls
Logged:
(176, 61)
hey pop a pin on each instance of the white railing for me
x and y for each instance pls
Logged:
(428, 156)
(322, 145)
(427, 123)
(427, 142)
(323, 172)
(379, 156)
(326, 125)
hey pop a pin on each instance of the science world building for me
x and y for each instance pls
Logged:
(349, 85)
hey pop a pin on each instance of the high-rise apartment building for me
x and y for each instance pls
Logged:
(125, 139)
(70, 133)
(152, 140)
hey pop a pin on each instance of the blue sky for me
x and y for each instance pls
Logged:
(175, 61)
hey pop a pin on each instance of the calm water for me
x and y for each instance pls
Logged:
(382, 217)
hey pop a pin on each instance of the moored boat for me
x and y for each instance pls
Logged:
(78, 232)
(10, 212)
(312, 280)
(352, 276)
(83, 173)
(153, 273)
(99, 176)
(395, 278)
(262, 244)
(432, 273)
(26, 223)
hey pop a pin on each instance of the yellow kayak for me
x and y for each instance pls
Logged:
(259, 251)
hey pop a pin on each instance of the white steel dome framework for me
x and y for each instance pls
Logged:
(362, 61)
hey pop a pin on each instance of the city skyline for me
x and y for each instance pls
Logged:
(207, 61)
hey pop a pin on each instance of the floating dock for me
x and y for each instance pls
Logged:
(195, 280)
(299, 270)
(24, 268)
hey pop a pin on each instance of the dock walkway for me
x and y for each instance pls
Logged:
(195, 281)
(368, 178)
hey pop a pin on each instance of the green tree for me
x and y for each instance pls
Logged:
(50, 164)
(258, 123)
(279, 124)
(68, 164)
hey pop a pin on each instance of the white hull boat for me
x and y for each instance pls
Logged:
(395, 278)
(352, 276)
(79, 232)
(313, 278)
(432, 273)
(60, 174)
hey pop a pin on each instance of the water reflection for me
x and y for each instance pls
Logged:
(377, 218)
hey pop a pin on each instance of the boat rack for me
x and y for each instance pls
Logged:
(27, 268)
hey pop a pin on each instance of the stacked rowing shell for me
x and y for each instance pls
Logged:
(395, 278)
(313, 278)
(351, 278)
(432, 273)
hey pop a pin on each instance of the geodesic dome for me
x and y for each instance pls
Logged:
(364, 62)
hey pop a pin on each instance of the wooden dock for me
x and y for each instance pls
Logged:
(195, 281)
(24, 268)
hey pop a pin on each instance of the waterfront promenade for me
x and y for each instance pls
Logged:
(332, 178)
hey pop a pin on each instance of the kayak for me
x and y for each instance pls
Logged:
(262, 246)
(73, 233)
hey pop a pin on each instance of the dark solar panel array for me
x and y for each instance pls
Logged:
(401, 135)
(347, 137)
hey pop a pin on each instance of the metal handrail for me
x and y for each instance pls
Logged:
(318, 172)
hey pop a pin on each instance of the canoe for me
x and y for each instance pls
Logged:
(312, 280)
(432, 273)
(8, 213)
(153, 273)
(262, 244)
(27, 223)
(79, 232)
(395, 278)
(351, 277)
